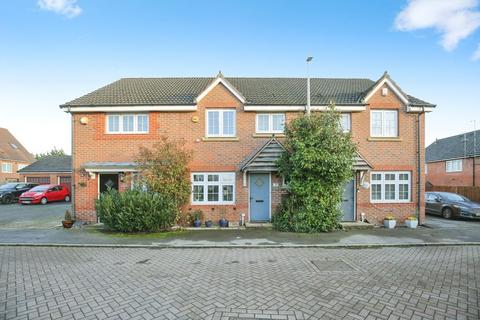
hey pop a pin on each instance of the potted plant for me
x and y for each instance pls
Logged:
(389, 222)
(208, 223)
(68, 220)
(197, 218)
(411, 222)
(223, 222)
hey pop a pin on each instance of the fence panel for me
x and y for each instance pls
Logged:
(473, 193)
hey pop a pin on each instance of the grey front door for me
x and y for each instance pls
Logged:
(259, 197)
(348, 203)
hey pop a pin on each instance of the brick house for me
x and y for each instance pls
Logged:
(451, 161)
(49, 170)
(234, 126)
(13, 157)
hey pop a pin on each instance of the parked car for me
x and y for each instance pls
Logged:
(451, 205)
(10, 192)
(46, 193)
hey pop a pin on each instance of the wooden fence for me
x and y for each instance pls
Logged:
(473, 193)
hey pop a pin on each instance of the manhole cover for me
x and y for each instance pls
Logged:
(332, 265)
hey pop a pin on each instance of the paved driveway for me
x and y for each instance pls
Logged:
(15, 216)
(438, 222)
(232, 284)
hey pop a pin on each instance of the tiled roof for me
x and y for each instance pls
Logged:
(257, 91)
(11, 149)
(50, 164)
(455, 147)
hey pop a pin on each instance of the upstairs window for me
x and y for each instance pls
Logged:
(6, 167)
(270, 123)
(454, 165)
(221, 123)
(384, 123)
(346, 122)
(127, 123)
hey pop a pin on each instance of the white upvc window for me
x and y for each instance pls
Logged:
(127, 123)
(390, 187)
(346, 122)
(454, 165)
(384, 123)
(270, 123)
(213, 188)
(6, 167)
(221, 123)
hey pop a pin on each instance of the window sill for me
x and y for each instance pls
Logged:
(268, 135)
(385, 139)
(215, 139)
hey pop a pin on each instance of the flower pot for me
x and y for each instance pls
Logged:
(223, 223)
(412, 224)
(197, 223)
(208, 223)
(389, 224)
(67, 224)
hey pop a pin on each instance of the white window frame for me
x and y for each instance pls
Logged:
(397, 183)
(270, 123)
(349, 117)
(383, 134)
(454, 165)
(6, 165)
(120, 123)
(222, 181)
(220, 123)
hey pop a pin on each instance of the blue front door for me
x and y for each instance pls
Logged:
(259, 197)
(348, 204)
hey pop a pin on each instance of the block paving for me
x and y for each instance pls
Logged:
(114, 283)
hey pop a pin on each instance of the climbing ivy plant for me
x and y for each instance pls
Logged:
(316, 165)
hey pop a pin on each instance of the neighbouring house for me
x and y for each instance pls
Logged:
(13, 157)
(234, 128)
(49, 170)
(454, 161)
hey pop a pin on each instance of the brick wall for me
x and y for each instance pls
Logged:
(92, 144)
(438, 176)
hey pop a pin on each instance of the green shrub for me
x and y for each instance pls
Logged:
(316, 165)
(136, 211)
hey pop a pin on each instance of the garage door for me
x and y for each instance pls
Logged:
(39, 180)
(66, 180)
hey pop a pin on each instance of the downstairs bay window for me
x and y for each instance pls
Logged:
(213, 188)
(390, 187)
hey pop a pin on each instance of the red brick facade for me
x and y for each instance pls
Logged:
(92, 144)
(437, 174)
(12, 176)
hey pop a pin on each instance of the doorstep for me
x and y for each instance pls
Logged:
(258, 225)
(357, 225)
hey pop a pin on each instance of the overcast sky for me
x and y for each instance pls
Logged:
(52, 51)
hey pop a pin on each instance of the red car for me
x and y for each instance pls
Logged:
(45, 193)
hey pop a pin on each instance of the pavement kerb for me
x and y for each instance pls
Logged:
(223, 246)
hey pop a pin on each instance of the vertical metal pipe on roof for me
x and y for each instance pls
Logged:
(308, 85)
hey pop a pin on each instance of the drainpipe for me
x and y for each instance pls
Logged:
(73, 187)
(419, 163)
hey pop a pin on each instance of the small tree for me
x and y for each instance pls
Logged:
(53, 152)
(164, 169)
(316, 165)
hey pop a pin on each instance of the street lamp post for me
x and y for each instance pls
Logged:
(309, 59)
